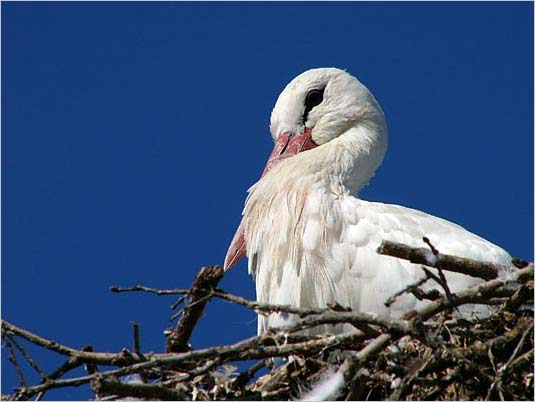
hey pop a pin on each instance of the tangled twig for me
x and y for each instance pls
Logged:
(419, 356)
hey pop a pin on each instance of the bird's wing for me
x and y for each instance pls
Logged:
(349, 269)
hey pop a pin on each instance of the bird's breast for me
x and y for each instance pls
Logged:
(289, 232)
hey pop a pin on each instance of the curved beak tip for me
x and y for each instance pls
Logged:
(236, 250)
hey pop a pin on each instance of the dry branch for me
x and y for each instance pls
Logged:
(136, 390)
(423, 355)
(206, 280)
(446, 262)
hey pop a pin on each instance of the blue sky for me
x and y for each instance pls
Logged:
(131, 131)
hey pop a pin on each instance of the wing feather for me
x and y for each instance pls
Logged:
(329, 254)
(375, 277)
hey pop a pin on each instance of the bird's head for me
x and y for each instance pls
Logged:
(318, 106)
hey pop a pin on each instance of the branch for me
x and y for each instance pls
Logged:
(187, 372)
(15, 363)
(474, 294)
(136, 390)
(411, 288)
(206, 280)
(28, 358)
(244, 350)
(141, 288)
(249, 349)
(253, 305)
(119, 359)
(446, 262)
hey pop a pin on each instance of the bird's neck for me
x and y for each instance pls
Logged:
(352, 158)
(340, 167)
(344, 165)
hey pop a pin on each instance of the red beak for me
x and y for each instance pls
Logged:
(285, 147)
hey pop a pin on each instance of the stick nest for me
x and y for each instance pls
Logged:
(428, 354)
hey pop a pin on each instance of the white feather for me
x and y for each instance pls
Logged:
(326, 389)
(310, 242)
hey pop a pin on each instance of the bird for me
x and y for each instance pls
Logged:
(310, 240)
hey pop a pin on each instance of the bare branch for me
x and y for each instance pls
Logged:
(248, 374)
(15, 363)
(424, 354)
(446, 262)
(474, 294)
(28, 358)
(137, 347)
(141, 288)
(206, 280)
(119, 359)
(136, 390)
(407, 289)
(503, 369)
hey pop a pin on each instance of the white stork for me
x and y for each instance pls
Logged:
(309, 239)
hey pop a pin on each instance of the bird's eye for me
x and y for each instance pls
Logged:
(314, 98)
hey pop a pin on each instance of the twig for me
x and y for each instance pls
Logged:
(521, 296)
(159, 292)
(69, 365)
(253, 305)
(374, 347)
(118, 359)
(473, 294)
(201, 302)
(433, 249)
(432, 294)
(206, 280)
(269, 308)
(239, 349)
(178, 303)
(446, 262)
(248, 349)
(185, 372)
(137, 348)
(136, 390)
(15, 363)
(248, 374)
(141, 288)
(409, 288)
(343, 317)
(443, 282)
(520, 360)
(503, 369)
(28, 358)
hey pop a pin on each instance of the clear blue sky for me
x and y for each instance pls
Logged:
(130, 133)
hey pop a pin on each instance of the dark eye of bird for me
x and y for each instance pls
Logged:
(314, 98)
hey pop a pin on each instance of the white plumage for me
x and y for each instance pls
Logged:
(309, 239)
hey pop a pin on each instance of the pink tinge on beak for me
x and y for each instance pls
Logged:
(287, 145)
(237, 248)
